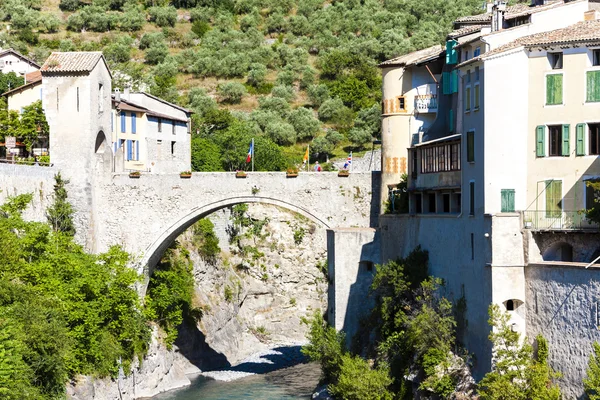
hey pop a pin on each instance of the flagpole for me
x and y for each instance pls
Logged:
(252, 154)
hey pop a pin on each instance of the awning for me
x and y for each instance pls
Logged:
(444, 139)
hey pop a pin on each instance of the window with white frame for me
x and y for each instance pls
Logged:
(556, 60)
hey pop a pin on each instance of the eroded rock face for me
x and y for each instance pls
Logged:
(160, 371)
(256, 294)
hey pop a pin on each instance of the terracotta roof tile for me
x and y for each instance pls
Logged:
(466, 30)
(514, 11)
(80, 61)
(34, 76)
(415, 57)
(581, 32)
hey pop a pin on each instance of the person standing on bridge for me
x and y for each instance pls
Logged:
(317, 167)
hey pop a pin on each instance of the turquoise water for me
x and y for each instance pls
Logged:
(292, 383)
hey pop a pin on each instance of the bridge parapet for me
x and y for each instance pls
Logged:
(146, 214)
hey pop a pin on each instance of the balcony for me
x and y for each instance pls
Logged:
(557, 221)
(426, 103)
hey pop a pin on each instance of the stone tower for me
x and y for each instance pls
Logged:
(76, 89)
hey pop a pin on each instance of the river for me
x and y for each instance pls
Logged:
(293, 383)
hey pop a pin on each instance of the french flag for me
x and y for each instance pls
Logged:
(250, 152)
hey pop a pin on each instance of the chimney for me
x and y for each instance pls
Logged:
(498, 15)
(126, 92)
(117, 95)
(591, 15)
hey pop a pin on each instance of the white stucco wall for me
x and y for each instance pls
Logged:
(25, 97)
(15, 64)
(505, 134)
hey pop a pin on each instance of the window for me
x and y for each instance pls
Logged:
(476, 74)
(123, 128)
(173, 148)
(440, 158)
(431, 202)
(593, 86)
(553, 198)
(559, 140)
(133, 122)
(160, 125)
(596, 57)
(470, 146)
(592, 196)
(594, 139)
(554, 89)
(507, 200)
(477, 52)
(476, 94)
(468, 76)
(471, 198)
(556, 60)
(468, 99)
(133, 150)
(466, 55)
(446, 202)
(401, 103)
(173, 126)
(100, 97)
(418, 203)
(77, 99)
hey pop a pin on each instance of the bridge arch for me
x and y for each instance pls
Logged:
(154, 252)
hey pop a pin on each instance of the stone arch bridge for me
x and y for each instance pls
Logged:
(145, 215)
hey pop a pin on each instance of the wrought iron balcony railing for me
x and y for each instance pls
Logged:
(426, 103)
(550, 220)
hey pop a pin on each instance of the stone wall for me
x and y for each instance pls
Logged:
(563, 304)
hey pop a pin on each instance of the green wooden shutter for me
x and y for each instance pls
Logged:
(540, 135)
(446, 85)
(593, 86)
(553, 199)
(558, 89)
(454, 81)
(580, 149)
(451, 52)
(566, 131)
(470, 146)
(554, 89)
(507, 197)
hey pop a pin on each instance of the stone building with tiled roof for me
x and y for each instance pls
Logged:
(497, 178)
(136, 132)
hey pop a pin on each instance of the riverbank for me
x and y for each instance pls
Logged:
(292, 383)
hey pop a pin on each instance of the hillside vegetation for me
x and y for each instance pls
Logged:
(287, 72)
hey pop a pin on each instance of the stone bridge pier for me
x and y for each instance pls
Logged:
(145, 215)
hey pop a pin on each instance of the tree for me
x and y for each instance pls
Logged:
(206, 155)
(231, 92)
(33, 124)
(60, 213)
(318, 94)
(304, 123)
(281, 132)
(359, 137)
(163, 16)
(257, 74)
(156, 53)
(10, 81)
(592, 382)
(325, 345)
(515, 374)
(284, 92)
(357, 381)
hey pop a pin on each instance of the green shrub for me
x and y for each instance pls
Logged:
(318, 94)
(206, 240)
(231, 92)
(163, 16)
(200, 28)
(592, 382)
(284, 92)
(304, 123)
(325, 346)
(357, 381)
(280, 132)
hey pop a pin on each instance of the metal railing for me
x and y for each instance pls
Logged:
(546, 220)
(426, 102)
